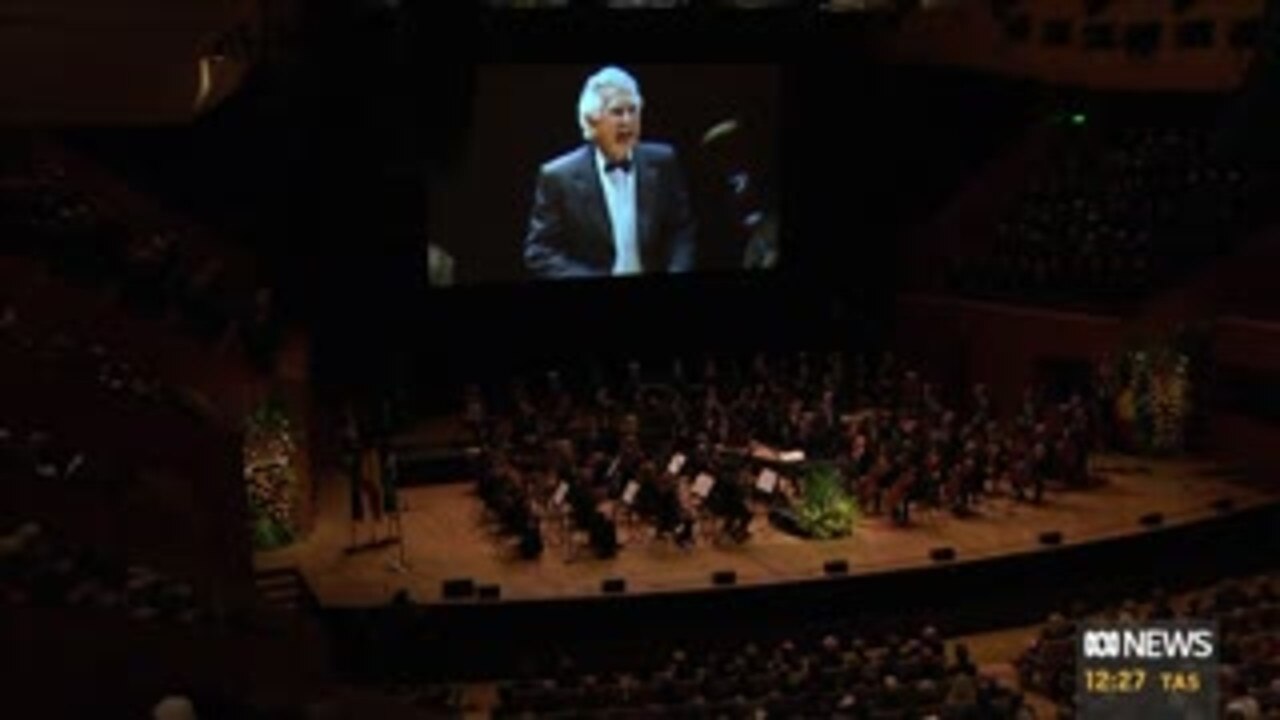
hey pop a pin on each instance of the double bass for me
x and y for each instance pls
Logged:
(898, 496)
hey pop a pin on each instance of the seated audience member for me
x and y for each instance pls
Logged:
(174, 707)
(962, 698)
(1243, 704)
(962, 665)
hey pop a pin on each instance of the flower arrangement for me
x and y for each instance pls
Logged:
(1170, 406)
(1154, 404)
(825, 510)
(271, 476)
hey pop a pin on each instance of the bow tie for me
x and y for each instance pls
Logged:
(623, 165)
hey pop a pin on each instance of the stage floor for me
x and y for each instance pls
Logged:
(445, 537)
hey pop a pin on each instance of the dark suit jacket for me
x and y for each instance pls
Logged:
(570, 234)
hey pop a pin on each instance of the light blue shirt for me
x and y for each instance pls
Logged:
(620, 197)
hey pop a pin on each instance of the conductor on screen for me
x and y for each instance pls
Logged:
(614, 206)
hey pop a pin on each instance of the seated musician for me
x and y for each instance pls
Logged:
(900, 493)
(582, 502)
(1005, 474)
(873, 483)
(716, 424)
(681, 420)
(1069, 454)
(931, 478)
(672, 518)
(559, 411)
(827, 416)
(596, 470)
(700, 459)
(630, 457)
(975, 476)
(711, 400)
(647, 497)
(812, 437)
(561, 457)
(527, 424)
(728, 500)
(609, 441)
(955, 492)
(515, 510)
(738, 430)
(602, 400)
(590, 439)
(1041, 461)
(603, 534)
(531, 544)
(1022, 469)
(895, 466)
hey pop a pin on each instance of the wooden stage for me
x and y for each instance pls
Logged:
(445, 537)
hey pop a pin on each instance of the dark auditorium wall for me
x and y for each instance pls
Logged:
(965, 34)
(1006, 346)
(1000, 345)
(1244, 420)
(1249, 343)
(111, 660)
(1243, 440)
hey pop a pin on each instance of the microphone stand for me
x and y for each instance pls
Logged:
(400, 563)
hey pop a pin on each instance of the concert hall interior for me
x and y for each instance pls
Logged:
(378, 359)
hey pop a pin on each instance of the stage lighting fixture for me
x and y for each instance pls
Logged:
(836, 567)
(724, 578)
(943, 554)
(1051, 538)
(458, 588)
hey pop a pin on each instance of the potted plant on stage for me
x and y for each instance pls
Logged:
(825, 510)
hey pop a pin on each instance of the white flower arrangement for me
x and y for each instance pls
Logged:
(270, 475)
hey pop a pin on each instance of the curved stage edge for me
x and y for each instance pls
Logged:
(1013, 582)
(483, 640)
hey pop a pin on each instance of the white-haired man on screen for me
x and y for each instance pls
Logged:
(614, 206)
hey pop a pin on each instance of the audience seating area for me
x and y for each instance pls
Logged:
(1248, 614)
(829, 672)
(130, 344)
(109, 429)
(330, 703)
(115, 500)
(157, 269)
(81, 395)
(1107, 224)
(40, 569)
(115, 370)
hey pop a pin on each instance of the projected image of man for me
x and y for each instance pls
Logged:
(615, 205)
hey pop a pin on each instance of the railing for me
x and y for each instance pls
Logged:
(272, 584)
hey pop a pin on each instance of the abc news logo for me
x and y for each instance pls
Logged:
(1149, 643)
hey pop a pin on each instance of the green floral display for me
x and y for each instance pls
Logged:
(1156, 400)
(271, 476)
(825, 510)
